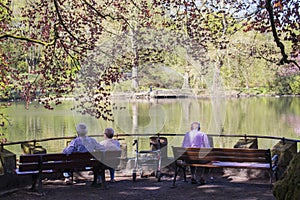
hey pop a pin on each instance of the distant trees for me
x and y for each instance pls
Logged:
(54, 48)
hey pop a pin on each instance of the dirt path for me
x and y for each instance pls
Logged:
(219, 188)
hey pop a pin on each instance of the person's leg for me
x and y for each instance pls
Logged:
(193, 174)
(112, 174)
(202, 179)
(193, 171)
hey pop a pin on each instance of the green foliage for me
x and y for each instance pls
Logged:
(157, 77)
(255, 90)
(124, 86)
(160, 77)
(281, 86)
(295, 84)
(244, 68)
(286, 84)
(50, 39)
(5, 12)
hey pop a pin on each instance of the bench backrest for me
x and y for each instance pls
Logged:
(29, 162)
(60, 161)
(202, 155)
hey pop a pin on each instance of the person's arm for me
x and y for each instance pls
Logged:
(70, 148)
(118, 144)
(206, 141)
(99, 146)
(186, 141)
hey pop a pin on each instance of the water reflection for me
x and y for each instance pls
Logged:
(294, 122)
(254, 116)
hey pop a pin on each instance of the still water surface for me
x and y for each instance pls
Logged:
(268, 116)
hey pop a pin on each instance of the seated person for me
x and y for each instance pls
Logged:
(195, 138)
(82, 143)
(110, 145)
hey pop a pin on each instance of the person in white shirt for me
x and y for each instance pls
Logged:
(110, 145)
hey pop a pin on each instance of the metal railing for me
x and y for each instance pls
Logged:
(119, 136)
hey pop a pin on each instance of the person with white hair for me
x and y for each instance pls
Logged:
(82, 143)
(195, 138)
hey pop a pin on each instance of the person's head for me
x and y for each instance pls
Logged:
(109, 133)
(195, 126)
(81, 129)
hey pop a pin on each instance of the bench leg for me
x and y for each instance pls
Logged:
(103, 178)
(33, 181)
(37, 179)
(175, 175)
(184, 174)
(72, 176)
(96, 173)
(40, 184)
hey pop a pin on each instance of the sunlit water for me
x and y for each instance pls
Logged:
(268, 116)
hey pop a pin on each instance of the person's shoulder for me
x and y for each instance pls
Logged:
(103, 142)
(75, 140)
(90, 138)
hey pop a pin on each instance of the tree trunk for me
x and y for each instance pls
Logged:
(135, 63)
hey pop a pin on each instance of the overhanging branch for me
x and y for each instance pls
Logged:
(17, 37)
(279, 44)
(62, 22)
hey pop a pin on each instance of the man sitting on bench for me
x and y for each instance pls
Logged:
(198, 139)
(82, 143)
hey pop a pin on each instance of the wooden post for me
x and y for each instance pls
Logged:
(8, 161)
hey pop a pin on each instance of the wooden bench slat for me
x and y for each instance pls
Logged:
(54, 157)
(28, 167)
(225, 150)
(29, 158)
(181, 150)
(231, 165)
(53, 166)
(200, 155)
(90, 163)
(80, 156)
(224, 158)
(242, 165)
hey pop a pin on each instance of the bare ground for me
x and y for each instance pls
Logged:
(220, 187)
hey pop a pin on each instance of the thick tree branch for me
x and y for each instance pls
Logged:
(27, 39)
(279, 44)
(62, 22)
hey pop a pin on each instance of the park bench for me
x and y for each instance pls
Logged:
(39, 164)
(224, 158)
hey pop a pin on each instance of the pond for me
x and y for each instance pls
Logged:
(263, 116)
